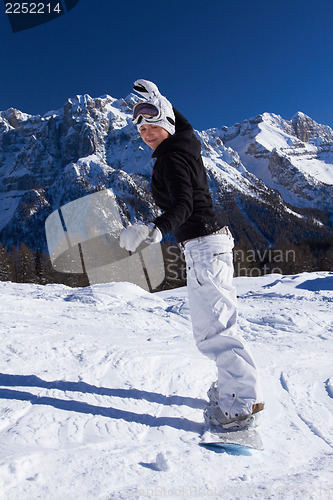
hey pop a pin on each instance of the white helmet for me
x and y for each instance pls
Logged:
(156, 109)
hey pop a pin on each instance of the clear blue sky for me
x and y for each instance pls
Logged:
(218, 61)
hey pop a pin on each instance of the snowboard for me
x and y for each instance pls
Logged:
(83, 238)
(248, 438)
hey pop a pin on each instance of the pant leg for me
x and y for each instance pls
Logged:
(213, 309)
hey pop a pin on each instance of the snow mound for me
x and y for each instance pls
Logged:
(102, 391)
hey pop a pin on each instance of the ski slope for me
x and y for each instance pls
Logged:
(102, 391)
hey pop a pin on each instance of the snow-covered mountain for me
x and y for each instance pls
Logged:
(102, 392)
(295, 157)
(271, 179)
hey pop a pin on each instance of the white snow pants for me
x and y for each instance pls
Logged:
(213, 309)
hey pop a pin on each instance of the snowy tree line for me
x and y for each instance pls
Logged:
(24, 265)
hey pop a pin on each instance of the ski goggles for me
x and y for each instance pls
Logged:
(147, 111)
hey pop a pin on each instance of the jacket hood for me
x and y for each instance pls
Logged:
(184, 139)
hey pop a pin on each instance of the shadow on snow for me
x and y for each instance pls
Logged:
(81, 407)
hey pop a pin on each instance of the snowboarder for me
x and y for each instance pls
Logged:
(180, 188)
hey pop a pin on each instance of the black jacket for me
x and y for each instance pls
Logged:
(180, 187)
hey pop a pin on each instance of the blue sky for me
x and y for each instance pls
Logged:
(218, 61)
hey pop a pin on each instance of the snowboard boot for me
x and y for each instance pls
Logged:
(213, 394)
(215, 417)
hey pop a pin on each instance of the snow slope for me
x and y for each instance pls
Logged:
(102, 391)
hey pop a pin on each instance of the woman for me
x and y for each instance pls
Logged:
(180, 188)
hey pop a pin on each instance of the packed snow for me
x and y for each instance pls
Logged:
(102, 391)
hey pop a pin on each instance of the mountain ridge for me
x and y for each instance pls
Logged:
(259, 171)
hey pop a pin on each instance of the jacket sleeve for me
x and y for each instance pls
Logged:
(177, 180)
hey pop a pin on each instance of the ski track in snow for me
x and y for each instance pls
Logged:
(102, 391)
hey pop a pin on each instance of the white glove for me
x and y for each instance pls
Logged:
(147, 89)
(133, 236)
(155, 234)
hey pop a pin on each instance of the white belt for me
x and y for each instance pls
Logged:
(223, 230)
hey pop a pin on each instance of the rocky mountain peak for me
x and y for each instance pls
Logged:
(307, 130)
(90, 144)
(14, 117)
